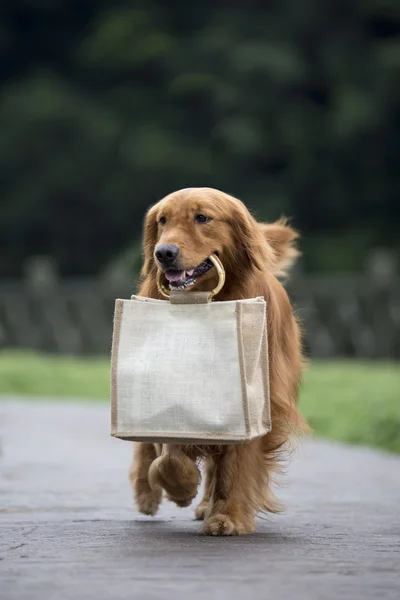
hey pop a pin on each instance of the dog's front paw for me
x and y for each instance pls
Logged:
(177, 475)
(225, 525)
(148, 502)
(181, 502)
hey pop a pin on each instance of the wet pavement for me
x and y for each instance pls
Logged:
(68, 529)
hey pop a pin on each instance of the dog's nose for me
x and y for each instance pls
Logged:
(167, 255)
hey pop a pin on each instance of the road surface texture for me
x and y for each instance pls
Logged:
(68, 529)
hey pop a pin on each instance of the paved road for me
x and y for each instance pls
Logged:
(68, 529)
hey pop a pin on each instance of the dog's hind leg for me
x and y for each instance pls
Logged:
(147, 499)
(176, 473)
(238, 488)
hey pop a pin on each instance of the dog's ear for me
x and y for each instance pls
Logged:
(149, 241)
(282, 238)
(249, 238)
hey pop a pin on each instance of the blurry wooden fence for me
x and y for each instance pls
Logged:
(352, 316)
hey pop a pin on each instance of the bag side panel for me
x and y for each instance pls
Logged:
(255, 366)
(118, 313)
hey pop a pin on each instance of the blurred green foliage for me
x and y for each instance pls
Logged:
(105, 107)
(354, 402)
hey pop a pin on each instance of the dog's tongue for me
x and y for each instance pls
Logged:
(175, 275)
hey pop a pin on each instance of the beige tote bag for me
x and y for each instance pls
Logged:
(189, 370)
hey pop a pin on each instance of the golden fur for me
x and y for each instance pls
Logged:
(237, 478)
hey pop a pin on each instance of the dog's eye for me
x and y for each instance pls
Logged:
(162, 221)
(202, 219)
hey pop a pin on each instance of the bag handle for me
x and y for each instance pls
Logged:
(194, 297)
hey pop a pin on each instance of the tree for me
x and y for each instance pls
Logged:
(107, 106)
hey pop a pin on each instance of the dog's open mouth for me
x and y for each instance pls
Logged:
(180, 280)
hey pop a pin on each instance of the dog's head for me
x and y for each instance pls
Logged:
(186, 227)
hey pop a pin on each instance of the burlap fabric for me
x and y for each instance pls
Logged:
(190, 370)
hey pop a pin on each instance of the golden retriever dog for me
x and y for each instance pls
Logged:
(181, 232)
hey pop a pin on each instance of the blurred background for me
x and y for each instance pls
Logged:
(292, 106)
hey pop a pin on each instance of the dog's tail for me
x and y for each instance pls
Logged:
(282, 239)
